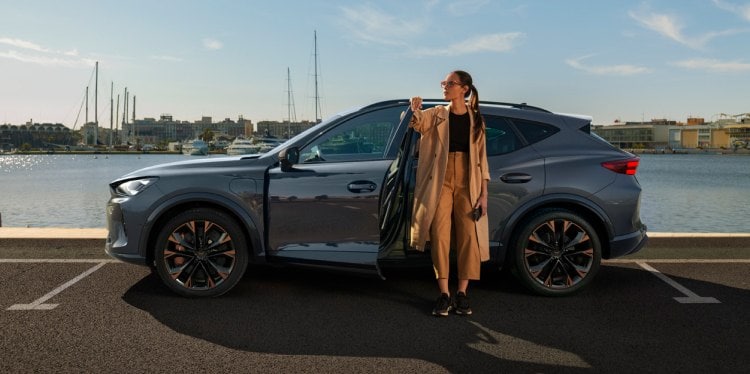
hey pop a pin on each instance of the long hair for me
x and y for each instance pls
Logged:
(466, 80)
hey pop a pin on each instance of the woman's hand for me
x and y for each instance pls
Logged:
(482, 202)
(416, 103)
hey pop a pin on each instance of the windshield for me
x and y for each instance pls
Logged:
(311, 130)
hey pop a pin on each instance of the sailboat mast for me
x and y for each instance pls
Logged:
(111, 111)
(87, 104)
(135, 129)
(317, 96)
(117, 118)
(96, 106)
(125, 116)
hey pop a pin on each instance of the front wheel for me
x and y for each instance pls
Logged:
(556, 253)
(201, 253)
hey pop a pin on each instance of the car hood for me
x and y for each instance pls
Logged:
(194, 166)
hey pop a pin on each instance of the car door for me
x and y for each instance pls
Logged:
(325, 208)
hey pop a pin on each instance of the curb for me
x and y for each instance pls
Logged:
(53, 237)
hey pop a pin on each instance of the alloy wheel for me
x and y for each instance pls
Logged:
(199, 255)
(559, 254)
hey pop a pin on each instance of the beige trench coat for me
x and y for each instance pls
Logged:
(432, 124)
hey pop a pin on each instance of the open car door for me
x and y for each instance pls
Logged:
(396, 197)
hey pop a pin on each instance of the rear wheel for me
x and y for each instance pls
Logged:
(201, 253)
(556, 253)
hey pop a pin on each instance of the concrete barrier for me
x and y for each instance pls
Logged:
(69, 237)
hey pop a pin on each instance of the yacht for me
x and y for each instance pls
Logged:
(195, 147)
(242, 146)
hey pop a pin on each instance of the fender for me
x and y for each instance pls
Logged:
(550, 201)
(246, 221)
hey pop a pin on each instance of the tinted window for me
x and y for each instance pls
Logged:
(534, 131)
(363, 137)
(501, 138)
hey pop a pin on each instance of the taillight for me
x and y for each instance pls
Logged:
(626, 166)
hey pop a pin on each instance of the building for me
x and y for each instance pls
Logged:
(654, 134)
(724, 133)
(282, 129)
(36, 135)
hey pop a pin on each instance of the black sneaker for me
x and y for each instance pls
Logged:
(442, 306)
(462, 304)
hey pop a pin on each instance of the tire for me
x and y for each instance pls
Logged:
(201, 253)
(556, 253)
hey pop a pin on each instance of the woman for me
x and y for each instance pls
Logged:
(451, 187)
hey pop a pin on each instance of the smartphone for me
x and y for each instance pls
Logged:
(477, 213)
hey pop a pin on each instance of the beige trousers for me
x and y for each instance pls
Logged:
(455, 207)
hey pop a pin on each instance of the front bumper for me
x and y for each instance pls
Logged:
(118, 245)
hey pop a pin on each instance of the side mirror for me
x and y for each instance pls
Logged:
(288, 157)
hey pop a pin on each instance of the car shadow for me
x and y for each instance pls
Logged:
(625, 321)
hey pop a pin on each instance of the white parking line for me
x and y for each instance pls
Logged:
(690, 296)
(680, 261)
(38, 304)
(55, 261)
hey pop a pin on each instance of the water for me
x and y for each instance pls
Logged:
(681, 193)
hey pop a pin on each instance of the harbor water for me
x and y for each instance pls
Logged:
(681, 192)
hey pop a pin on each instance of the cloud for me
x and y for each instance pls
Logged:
(24, 44)
(47, 60)
(212, 44)
(167, 58)
(741, 10)
(671, 27)
(367, 24)
(712, 65)
(480, 43)
(622, 70)
(42, 56)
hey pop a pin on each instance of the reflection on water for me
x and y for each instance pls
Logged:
(695, 193)
(681, 193)
(63, 190)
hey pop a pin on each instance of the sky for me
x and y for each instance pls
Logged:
(613, 60)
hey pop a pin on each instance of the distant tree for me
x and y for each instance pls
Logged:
(25, 147)
(207, 135)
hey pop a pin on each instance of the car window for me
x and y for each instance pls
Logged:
(534, 131)
(501, 138)
(363, 137)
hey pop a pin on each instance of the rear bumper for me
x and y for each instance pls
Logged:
(624, 245)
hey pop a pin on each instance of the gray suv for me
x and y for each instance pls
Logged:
(339, 195)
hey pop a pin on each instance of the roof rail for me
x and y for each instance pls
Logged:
(517, 106)
(522, 106)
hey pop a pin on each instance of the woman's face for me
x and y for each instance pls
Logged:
(452, 87)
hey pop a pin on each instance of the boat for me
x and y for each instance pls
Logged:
(267, 143)
(242, 146)
(195, 147)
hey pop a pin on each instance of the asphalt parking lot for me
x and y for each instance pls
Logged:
(68, 308)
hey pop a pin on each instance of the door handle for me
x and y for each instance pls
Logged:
(516, 178)
(362, 186)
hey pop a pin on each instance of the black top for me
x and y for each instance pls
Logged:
(460, 125)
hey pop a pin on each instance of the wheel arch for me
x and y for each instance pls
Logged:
(588, 210)
(169, 208)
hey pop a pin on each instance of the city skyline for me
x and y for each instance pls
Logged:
(626, 61)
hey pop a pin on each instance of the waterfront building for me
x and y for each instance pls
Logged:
(36, 135)
(282, 129)
(654, 134)
(727, 133)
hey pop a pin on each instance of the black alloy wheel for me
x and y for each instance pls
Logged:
(201, 253)
(556, 253)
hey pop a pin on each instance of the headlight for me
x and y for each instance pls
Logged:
(134, 187)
